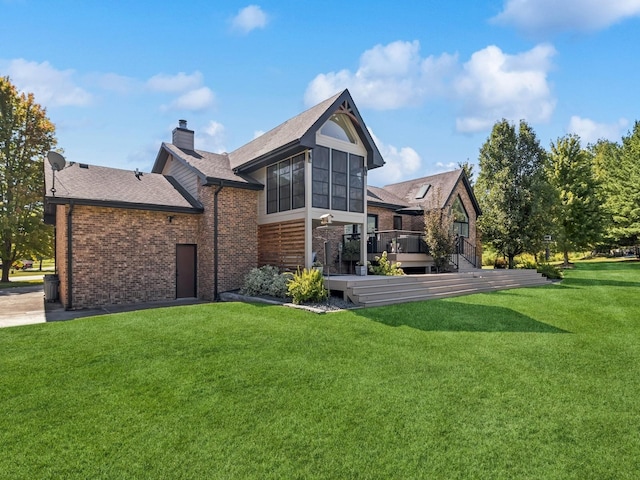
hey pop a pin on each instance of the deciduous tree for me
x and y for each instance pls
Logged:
(577, 212)
(512, 190)
(439, 236)
(26, 135)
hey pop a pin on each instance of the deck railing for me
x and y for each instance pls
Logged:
(396, 241)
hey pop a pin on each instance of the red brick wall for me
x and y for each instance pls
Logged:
(61, 250)
(237, 238)
(122, 256)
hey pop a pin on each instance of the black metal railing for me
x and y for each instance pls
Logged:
(396, 241)
(468, 250)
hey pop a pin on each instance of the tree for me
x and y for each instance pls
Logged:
(468, 170)
(439, 236)
(512, 190)
(26, 135)
(577, 213)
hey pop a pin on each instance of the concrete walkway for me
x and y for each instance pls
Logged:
(26, 306)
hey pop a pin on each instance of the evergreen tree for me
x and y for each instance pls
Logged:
(26, 135)
(577, 212)
(512, 190)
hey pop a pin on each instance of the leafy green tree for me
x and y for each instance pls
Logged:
(26, 135)
(577, 212)
(439, 236)
(468, 170)
(512, 190)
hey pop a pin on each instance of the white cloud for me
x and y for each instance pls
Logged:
(51, 87)
(488, 87)
(249, 18)
(401, 164)
(212, 137)
(495, 85)
(590, 131)
(194, 100)
(388, 77)
(175, 83)
(553, 16)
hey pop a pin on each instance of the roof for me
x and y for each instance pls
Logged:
(95, 185)
(383, 198)
(215, 167)
(298, 134)
(442, 186)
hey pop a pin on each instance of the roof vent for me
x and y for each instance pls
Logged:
(423, 191)
(83, 165)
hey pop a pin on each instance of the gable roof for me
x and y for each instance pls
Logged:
(103, 186)
(298, 134)
(383, 198)
(442, 186)
(213, 168)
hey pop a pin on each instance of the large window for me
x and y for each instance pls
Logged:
(460, 218)
(285, 185)
(338, 180)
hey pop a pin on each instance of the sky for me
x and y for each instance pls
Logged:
(430, 78)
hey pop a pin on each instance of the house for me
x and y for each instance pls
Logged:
(199, 221)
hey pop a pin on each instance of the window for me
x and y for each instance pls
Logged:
(337, 180)
(356, 183)
(422, 192)
(372, 223)
(460, 218)
(320, 180)
(397, 222)
(285, 184)
(339, 127)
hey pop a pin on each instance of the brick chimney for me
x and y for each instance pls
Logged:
(182, 136)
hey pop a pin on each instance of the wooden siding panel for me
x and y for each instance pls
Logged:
(183, 175)
(281, 244)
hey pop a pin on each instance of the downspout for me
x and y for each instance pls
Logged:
(69, 305)
(216, 296)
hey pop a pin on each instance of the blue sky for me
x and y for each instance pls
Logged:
(430, 78)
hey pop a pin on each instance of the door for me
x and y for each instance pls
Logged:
(185, 271)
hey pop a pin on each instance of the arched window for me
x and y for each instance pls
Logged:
(460, 218)
(339, 127)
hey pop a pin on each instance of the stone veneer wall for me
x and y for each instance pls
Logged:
(121, 256)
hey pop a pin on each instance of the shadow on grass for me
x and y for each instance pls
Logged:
(451, 316)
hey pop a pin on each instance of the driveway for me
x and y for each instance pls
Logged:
(26, 306)
(22, 306)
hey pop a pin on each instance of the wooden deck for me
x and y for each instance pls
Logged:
(374, 290)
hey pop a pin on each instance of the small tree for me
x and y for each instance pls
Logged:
(439, 236)
(26, 135)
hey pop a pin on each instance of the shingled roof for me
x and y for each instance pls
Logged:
(298, 134)
(95, 185)
(215, 167)
(384, 198)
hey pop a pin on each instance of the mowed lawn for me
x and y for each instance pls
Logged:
(529, 383)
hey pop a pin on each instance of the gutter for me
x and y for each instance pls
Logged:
(216, 295)
(69, 305)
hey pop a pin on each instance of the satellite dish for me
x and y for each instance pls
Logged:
(56, 160)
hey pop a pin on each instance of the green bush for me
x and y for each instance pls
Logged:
(527, 263)
(550, 271)
(307, 286)
(266, 280)
(385, 267)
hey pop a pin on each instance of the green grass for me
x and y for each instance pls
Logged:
(527, 383)
(19, 283)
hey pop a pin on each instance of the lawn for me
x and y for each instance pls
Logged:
(528, 383)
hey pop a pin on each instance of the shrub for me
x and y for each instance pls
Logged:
(385, 267)
(500, 263)
(266, 280)
(307, 286)
(550, 271)
(527, 263)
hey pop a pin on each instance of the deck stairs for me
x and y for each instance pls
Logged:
(373, 291)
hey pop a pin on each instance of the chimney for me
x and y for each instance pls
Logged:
(182, 136)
